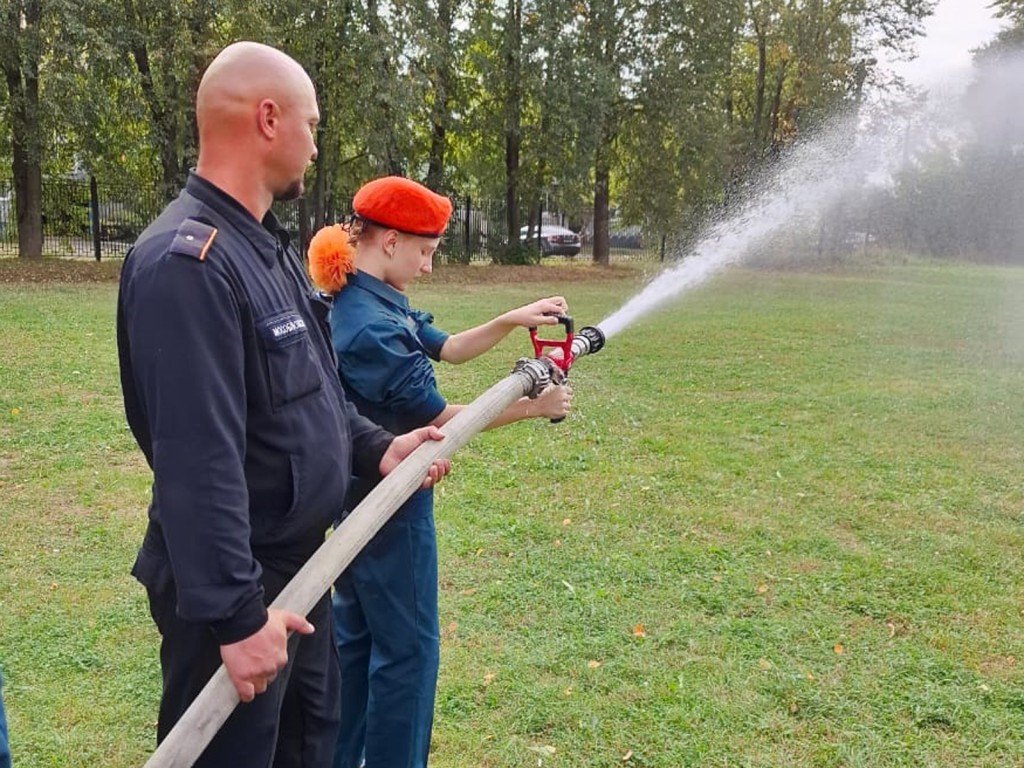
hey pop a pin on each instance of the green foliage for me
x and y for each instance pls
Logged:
(526, 100)
(514, 253)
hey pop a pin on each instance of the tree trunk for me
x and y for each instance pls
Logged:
(21, 71)
(438, 141)
(513, 120)
(441, 75)
(164, 128)
(773, 137)
(602, 174)
(759, 87)
(392, 158)
(321, 165)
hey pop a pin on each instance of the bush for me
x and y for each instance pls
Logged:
(515, 253)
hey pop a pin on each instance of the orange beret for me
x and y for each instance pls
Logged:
(398, 203)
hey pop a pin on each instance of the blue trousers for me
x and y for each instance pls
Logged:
(5, 749)
(386, 627)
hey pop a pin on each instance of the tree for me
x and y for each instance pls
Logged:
(170, 42)
(21, 53)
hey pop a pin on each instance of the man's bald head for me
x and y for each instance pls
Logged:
(241, 76)
(257, 116)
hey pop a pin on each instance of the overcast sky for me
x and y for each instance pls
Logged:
(952, 31)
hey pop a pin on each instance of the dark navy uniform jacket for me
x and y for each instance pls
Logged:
(231, 391)
(384, 349)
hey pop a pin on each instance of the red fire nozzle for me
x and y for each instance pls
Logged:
(564, 360)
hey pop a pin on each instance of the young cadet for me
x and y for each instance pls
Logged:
(231, 391)
(385, 603)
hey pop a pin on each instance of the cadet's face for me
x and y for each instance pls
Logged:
(298, 141)
(413, 256)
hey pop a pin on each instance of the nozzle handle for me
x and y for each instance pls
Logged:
(563, 344)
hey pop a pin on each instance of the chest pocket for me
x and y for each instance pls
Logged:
(292, 369)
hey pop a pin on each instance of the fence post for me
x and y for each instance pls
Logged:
(540, 229)
(94, 215)
(303, 227)
(465, 230)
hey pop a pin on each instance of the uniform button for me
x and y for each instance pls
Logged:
(189, 237)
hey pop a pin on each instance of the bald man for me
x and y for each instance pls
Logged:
(231, 391)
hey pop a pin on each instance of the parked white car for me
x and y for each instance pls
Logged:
(554, 240)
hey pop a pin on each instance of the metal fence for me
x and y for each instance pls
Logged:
(86, 219)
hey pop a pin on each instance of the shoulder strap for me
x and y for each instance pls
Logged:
(194, 239)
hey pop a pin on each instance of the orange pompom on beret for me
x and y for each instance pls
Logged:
(331, 258)
(399, 203)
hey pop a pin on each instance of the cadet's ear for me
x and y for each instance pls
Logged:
(390, 242)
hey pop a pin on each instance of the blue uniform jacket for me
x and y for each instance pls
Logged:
(231, 391)
(384, 350)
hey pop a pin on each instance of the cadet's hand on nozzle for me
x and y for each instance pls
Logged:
(553, 403)
(253, 663)
(540, 312)
(405, 444)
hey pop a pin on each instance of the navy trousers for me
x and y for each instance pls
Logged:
(294, 724)
(386, 626)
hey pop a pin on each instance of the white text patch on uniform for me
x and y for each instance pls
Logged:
(194, 239)
(282, 328)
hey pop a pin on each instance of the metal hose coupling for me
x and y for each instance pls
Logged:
(536, 372)
(587, 341)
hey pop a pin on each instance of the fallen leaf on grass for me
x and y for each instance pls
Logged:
(762, 588)
(628, 756)
(764, 664)
(838, 649)
(567, 521)
(593, 664)
(639, 631)
(489, 678)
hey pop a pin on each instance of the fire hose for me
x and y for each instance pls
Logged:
(218, 699)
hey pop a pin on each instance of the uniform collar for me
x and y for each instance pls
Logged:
(379, 288)
(266, 236)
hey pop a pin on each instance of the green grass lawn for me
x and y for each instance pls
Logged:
(782, 527)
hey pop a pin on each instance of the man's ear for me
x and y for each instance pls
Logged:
(268, 116)
(390, 242)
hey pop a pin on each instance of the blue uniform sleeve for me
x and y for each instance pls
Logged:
(385, 365)
(430, 337)
(184, 330)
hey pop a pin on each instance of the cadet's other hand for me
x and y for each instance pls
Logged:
(405, 444)
(540, 312)
(553, 403)
(253, 663)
